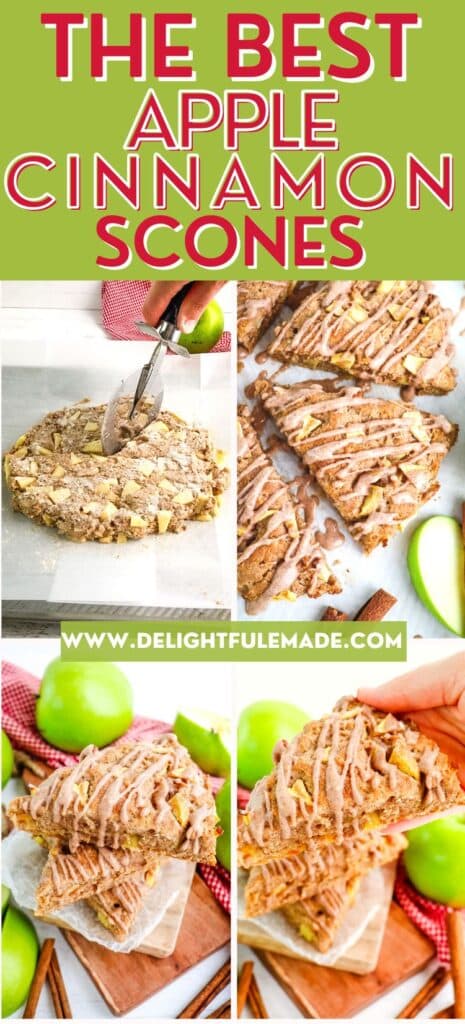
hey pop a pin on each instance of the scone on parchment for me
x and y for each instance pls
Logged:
(376, 460)
(274, 884)
(278, 554)
(388, 332)
(136, 796)
(165, 476)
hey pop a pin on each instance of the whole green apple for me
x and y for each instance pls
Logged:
(435, 859)
(20, 949)
(223, 810)
(261, 726)
(83, 702)
(8, 761)
(207, 331)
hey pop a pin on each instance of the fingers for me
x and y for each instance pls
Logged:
(200, 294)
(442, 683)
(409, 823)
(158, 298)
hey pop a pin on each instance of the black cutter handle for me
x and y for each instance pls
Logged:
(172, 310)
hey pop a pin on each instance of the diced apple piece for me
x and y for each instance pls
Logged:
(163, 518)
(130, 488)
(404, 760)
(300, 791)
(137, 522)
(74, 459)
(167, 485)
(372, 501)
(59, 495)
(180, 809)
(357, 313)
(344, 360)
(58, 472)
(145, 467)
(108, 511)
(413, 363)
(91, 427)
(92, 507)
(92, 448)
(183, 497)
(24, 482)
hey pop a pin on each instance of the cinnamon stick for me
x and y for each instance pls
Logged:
(245, 978)
(447, 1014)
(222, 1012)
(207, 993)
(456, 936)
(38, 979)
(334, 615)
(58, 989)
(255, 1001)
(377, 607)
(427, 992)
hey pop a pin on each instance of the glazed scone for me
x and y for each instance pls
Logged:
(356, 770)
(376, 460)
(117, 908)
(389, 332)
(136, 796)
(69, 877)
(278, 554)
(319, 918)
(278, 882)
(165, 476)
(258, 302)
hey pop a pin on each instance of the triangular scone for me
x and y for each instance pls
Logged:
(353, 771)
(258, 302)
(279, 882)
(143, 796)
(319, 918)
(69, 877)
(117, 908)
(389, 332)
(376, 460)
(278, 555)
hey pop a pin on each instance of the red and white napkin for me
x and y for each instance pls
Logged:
(122, 303)
(430, 917)
(19, 694)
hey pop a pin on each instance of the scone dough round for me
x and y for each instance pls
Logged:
(167, 475)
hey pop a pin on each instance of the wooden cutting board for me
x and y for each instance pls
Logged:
(321, 992)
(361, 958)
(125, 980)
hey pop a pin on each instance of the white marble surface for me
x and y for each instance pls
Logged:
(158, 693)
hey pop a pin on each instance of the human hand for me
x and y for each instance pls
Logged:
(433, 696)
(197, 299)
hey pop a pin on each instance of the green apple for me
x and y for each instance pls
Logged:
(5, 898)
(435, 859)
(207, 738)
(83, 702)
(20, 950)
(8, 761)
(207, 331)
(437, 568)
(223, 810)
(261, 726)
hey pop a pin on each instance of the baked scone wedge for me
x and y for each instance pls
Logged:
(355, 770)
(69, 877)
(278, 554)
(258, 302)
(272, 885)
(376, 460)
(136, 796)
(117, 908)
(389, 332)
(165, 476)
(319, 918)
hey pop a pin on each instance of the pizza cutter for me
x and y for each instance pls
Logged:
(145, 383)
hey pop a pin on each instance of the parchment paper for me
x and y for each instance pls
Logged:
(370, 898)
(193, 569)
(360, 575)
(23, 862)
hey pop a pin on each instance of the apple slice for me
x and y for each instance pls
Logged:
(437, 569)
(207, 738)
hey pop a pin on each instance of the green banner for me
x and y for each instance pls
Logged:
(151, 144)
(234, 641)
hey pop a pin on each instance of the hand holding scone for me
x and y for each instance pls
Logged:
(434, 697)
(161, 292)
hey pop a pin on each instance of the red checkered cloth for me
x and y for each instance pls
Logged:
(122, 303)
(430, 917)
(19, 694)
